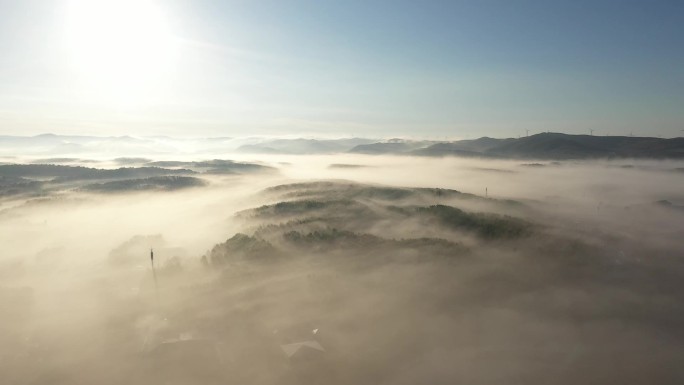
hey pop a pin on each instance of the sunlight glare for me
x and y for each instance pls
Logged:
(121, 50)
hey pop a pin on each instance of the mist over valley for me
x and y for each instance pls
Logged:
(341, 268)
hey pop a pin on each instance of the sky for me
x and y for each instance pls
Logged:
(319, 68)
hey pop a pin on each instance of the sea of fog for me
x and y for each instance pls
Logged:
(68, 315)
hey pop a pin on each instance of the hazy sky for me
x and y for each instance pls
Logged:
(340, 68)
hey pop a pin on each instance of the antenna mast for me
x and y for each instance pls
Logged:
(154, 273)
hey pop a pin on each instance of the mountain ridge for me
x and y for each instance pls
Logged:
(552, 146)
(549, 146)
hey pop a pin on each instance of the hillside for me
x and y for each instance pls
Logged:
(303, 146)
(37, 179)
(543, 146)
(394, 147)
(562, 146)
(422, 272)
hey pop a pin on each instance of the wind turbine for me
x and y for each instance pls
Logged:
(527, 132)
(591, 131)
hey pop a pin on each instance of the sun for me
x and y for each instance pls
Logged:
(122, 50)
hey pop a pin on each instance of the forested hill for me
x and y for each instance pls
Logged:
(546, 146)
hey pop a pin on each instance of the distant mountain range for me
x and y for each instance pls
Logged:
(541, 146)
(76, 145)
(51, 146)
(304, 146)
(554, 146)
(391, 147)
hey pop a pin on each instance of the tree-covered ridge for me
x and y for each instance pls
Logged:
(241, 247)
(366, 221)
(165, 183)
(330, 238)
(351, 190)
(485, 225)
(333, 237)
(40, 179)
(14, 185)
(216, 166)
(307, 207)
(290, 244)
(72, 173)
(349, 215)
(547, 145)
(346, 190)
